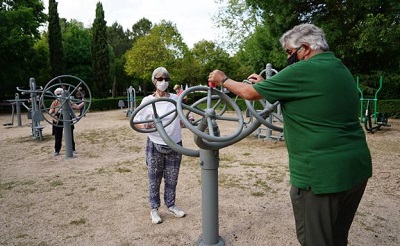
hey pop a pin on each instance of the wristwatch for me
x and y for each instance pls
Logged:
(223, 80)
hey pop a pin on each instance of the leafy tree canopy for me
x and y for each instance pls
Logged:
(119, 39)
(362, 33)
(163, 46)
(141, 28)
(77, 44)
(19, 25)
(100, 54)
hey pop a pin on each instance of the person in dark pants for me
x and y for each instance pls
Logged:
(56, 110)
(161, 160)
(329, 159)
(58, 133)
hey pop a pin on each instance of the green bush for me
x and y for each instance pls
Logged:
(391, 108)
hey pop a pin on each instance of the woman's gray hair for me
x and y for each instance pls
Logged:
(305, 33)
(160, 71)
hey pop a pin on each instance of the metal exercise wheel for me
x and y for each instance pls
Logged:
(70, 85)
(267, 110)
(158, 123)
(210, 111)
(210, 115)
(156, 117)
(261, 108)
(219, 105)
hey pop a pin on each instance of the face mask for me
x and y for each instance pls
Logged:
(162, 85)
(293, 58)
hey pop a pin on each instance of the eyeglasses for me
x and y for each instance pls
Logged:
(161, 79)
(290, 52)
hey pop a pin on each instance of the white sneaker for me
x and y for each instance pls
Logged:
(155, 216)
(177, 212)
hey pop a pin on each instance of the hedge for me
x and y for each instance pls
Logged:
(391, 108)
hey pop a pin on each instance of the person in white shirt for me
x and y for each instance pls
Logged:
(161, 160)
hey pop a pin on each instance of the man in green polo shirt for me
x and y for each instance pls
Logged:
(329, 160)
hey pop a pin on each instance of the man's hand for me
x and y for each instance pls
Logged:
(216, 77)
(255, 78)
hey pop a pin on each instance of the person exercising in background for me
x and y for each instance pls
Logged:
(58, 125)
(178, 90)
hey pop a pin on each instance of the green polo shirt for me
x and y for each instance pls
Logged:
(326, 143)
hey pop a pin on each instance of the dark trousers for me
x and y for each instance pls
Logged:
(58, 133)
(325, 220)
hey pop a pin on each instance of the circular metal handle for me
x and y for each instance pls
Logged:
(210, 114)
(70, 85)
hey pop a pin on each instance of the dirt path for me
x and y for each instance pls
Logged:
(100, 196)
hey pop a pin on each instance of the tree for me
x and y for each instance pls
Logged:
(77, 44)
(40, 63)
(55, 41)
(164, 46)
(362, 33)
(16, 41)
(120, 41)
(239, 19)
(141, 28)
(210, 56)
(100, 54)
(260, 49)
(188, 71)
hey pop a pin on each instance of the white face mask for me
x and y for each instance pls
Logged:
(162, 85)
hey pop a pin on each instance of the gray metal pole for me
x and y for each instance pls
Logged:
(35, 124)
(18, 106)
(269, 130)
(67, 125)
(209, 161)
(268, 70)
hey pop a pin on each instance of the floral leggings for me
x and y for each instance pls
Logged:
(162, 162)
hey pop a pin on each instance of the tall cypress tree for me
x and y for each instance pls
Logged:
(57, 62)
(100, 54)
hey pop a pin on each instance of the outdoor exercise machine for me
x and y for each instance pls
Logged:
(131, 99)
(372, 119)
(70, 85)
(34, 112)
(15, 106)
(275, 119)
(209, 112)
